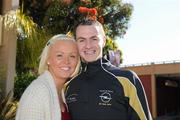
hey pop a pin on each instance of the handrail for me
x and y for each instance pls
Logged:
(151, 63)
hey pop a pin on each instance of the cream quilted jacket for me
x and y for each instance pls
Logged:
(40, 100)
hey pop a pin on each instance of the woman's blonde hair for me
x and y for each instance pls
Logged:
(45, 54)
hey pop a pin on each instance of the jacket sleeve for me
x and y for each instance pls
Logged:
(141, 94)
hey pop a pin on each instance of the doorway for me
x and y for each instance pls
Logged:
(168, 95)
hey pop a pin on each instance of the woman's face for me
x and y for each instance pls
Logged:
(63, 58)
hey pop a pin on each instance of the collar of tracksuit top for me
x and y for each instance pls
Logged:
(90, 69)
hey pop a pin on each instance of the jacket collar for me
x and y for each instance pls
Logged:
(92, 68)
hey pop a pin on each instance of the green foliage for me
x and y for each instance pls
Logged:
(31, 39)
(22, 80)
(28, 51)
(111, 45)
(8, 108)
(60, 16)
(37, 20)
(113, 14)
(23, 23)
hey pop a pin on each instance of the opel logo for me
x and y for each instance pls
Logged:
(105, 97)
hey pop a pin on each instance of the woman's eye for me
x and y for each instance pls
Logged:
(59, 55)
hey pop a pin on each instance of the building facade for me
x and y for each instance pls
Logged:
(162, 85)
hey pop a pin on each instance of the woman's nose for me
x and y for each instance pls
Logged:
(66, 60)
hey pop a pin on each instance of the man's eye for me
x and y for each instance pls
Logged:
(73, 56)
(95, 39)
(81, 40)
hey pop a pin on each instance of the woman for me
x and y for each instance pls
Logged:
(43, 99)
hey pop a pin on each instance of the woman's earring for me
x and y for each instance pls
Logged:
(48, 63)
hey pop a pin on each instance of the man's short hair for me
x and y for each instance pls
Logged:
(89, 22)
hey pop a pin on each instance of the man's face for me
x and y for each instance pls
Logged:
(90, 41)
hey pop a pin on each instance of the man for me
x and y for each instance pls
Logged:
(102, 91)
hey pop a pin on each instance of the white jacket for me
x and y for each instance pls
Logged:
(40, 100)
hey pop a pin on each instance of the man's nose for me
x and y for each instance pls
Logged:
(88, 44)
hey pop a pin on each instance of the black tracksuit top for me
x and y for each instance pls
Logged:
(104, 92)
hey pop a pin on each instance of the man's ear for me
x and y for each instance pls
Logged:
(104, 41)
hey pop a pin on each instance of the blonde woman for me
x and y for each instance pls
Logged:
(43, 99)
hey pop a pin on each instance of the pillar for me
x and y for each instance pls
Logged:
(8, 40)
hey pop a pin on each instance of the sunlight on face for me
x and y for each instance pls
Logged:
(63, 58)
(90, 42)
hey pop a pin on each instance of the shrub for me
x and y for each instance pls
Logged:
(22, 80)
(8, 108)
